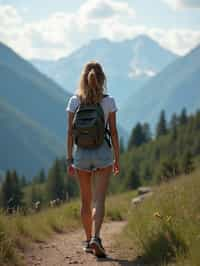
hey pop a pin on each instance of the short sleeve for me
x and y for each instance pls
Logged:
(72, 104)
(113, 106)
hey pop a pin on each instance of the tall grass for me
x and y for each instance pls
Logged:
(165, 229)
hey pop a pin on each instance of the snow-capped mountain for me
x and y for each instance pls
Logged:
(127, 64)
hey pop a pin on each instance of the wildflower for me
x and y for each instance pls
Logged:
(158, 215)
(168, 219)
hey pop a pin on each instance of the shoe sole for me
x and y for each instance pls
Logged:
(97, 250)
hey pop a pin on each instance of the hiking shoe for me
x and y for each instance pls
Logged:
(97, 247)
(87, 247)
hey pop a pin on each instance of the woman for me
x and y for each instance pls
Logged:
(98, 161)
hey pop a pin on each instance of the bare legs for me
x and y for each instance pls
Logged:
(97, 214)
(85, 183)
(100, 190)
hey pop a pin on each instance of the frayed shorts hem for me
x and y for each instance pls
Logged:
(94, 169)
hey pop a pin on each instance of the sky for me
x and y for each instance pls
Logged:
(50, 29)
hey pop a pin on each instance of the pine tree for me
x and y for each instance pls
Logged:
(16, 190)
(173, 125)
(183, 117)
(7, 189)
(137, 137)
(161, 128)
(55, 182)
(146, 132)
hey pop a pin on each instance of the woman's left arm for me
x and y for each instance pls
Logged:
(115, 141)
(69, 141)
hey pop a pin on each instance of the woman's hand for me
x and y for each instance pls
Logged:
(116, 167)
(71, 170)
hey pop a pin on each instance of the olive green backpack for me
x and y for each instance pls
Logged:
(89, 130)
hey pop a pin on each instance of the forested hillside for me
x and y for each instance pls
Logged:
(174, 150)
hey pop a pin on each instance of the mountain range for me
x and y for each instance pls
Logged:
(127, 64)
(143, 77)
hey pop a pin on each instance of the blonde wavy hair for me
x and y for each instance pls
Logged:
(92, 84)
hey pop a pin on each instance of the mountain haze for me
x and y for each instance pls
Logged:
(127, 64)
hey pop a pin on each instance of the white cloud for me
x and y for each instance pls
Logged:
(12, 29)
(9, 16)
(177, 4)
(180, 41)
(102, 9)
(60, 33)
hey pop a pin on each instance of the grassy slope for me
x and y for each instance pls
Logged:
(18, 231)
(164, 230)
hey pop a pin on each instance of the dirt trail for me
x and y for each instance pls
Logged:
(66, 249)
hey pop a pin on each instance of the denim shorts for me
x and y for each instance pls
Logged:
(92, 159)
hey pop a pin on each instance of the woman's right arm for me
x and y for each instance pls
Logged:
(69, 135)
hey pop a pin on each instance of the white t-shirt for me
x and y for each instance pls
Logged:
(108, 104)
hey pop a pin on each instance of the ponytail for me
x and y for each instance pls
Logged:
(92, 83)
(92, 80)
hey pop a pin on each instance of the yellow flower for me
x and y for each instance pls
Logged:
(168, 219)
(158, 215)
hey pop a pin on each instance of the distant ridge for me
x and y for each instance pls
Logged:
(25, 69)
(128, 64)
(177, 86)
